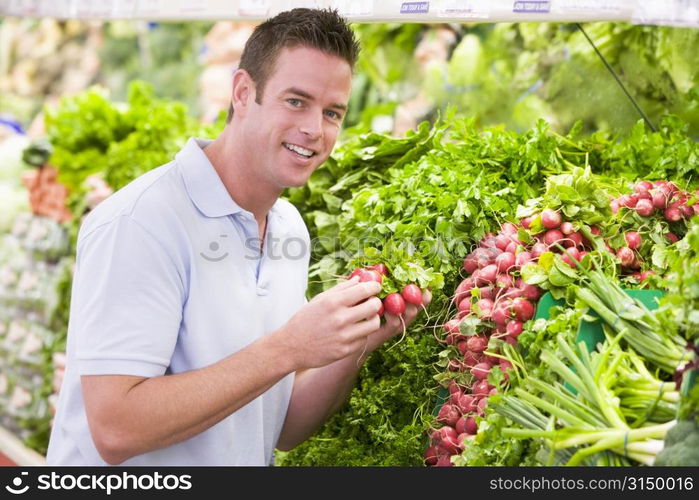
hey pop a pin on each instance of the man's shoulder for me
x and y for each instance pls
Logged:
(145, 199)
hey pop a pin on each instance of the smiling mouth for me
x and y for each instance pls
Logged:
(302, 152)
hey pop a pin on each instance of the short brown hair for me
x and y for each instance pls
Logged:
(322, 29)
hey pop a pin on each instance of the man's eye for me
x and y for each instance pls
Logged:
(333, 115)
(294, 102)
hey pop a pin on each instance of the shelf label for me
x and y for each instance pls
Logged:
(532, 6)
(354, 8)
(683, 13)
(415, 7)
(253, 8)
(468, 9)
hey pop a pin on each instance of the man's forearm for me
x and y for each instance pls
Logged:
(161, 411)
(317, 394)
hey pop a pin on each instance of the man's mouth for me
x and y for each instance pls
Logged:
(306, 153)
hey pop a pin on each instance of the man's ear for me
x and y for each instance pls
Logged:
(243, 92)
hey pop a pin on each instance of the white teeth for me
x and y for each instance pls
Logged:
(298, 149)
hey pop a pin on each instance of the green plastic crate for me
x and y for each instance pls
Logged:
(591, 332)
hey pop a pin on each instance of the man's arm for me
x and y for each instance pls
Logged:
(319, 392)
(131, 415)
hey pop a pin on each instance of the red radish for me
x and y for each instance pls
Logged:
(531, 292)
(504, 262)
(522, 258)
(509, 228)
(452, 326)
(672, 214)
(460, 426)
(686, 211)
(659, 199)
(462, 347)
(444, 461)
(567, 227)
(514, 328)
(465, 305)
(431, 456)
(645, 208)
(466, 403)
(626, 256)
(487, 292)
(481, 370)
(527, 222)
(523, 309)
(455, 366)
(454, 398)
(380, 268)
(499, 315)
(481, 388)
(672, 238)
(642, 187)
(471, 359)
(454, 387)
(538, 249)
(470, 426)
(614, 205)
(477, 343)
(671, 187)
(381, 309)
(633, 239)
(486, 306)
(552, 236)
(482, 257)
(550, 219)
(488, 241)
(448, 437)
(487, 274)
(481, 406)
(370, 275)
(505, 365)
(511, 340)
(628, 200)
(412, 294)
(595, 230)
(356, 272)
(571, 256)
(503, 281)
(512, 247)
(646, 274)
(463, 289)
(394, 304)
(470, 264)
(501, 241)
(448, 415)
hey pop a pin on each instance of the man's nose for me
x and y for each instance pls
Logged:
(312, 124)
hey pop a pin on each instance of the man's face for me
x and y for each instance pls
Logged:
(294, 128)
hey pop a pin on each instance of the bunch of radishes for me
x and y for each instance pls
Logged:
(658, 197)
(392, 303)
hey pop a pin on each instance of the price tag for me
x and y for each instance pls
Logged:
(589, 6)
(253, 8)
(354, 8)
(670, 12)
(531, 6)
(467, 9)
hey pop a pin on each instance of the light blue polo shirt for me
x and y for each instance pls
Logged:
(167, 281)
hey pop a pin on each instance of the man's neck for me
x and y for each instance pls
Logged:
(232, 162)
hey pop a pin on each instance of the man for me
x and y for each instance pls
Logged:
(190, 341)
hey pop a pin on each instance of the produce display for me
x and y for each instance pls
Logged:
(570, 215)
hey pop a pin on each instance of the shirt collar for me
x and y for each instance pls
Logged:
(204, 185)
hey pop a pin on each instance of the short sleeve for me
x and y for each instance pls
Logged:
(127, 302)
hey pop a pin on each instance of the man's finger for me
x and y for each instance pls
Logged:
(359, 292)
(366, 309)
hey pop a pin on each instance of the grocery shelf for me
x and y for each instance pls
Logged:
(16, 451)
(665, 12)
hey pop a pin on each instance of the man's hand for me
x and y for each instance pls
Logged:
(332, 326)
(393, 325)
